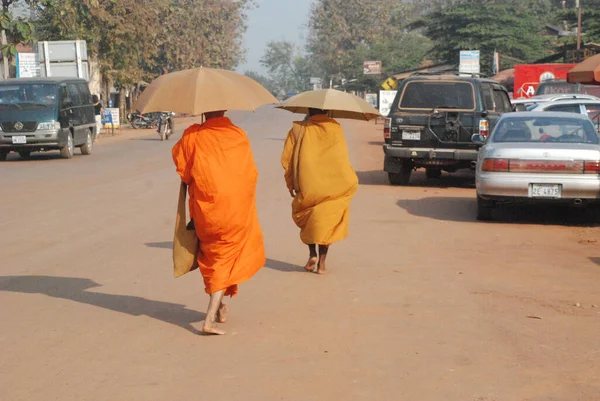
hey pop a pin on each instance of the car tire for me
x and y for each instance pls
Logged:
(66, 152)
(25, 154)
(433, 172)
(86, 149)
(403, 177)
(3, 156)
(485, 209)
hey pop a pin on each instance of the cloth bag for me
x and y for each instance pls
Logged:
(185, 241)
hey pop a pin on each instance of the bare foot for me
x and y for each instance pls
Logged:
(222, 314)
(311, 264)
(209, 329)
(321, 269)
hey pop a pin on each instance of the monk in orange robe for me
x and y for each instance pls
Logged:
(215, 161)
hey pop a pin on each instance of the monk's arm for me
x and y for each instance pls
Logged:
(287, 158)
(183, 161)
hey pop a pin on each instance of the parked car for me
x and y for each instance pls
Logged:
(527, 104)
(538, 157)
(590, 108)
(561, 86)
(43, 114)
(432, 120)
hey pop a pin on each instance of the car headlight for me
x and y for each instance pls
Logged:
(49, 125)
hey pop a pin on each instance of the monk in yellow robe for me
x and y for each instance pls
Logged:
(215, 161)
(322, 182)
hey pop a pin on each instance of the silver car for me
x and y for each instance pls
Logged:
(538, 156)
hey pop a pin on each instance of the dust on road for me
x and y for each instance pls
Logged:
(423, 302)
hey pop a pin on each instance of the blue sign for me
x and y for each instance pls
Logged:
(107, 117)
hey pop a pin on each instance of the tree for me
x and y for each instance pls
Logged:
(18, 30)
(508, 26)
(590, 21)
(268, 83)
(288, 69)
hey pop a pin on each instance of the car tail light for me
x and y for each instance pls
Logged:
(484, 127)
(547, 166)
(591, 167)
(386, 128)
(496, 165)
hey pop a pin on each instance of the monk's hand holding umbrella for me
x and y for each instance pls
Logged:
(215, 161)
(317, 167)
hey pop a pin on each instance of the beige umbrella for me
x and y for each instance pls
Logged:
(339, 104)
(202, 90)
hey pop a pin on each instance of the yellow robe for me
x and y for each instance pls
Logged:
(326, 182)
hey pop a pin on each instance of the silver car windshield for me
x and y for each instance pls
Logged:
(545, 129)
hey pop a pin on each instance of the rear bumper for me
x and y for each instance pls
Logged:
(510, 186)
(430, 153)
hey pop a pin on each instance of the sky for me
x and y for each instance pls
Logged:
(274, 20)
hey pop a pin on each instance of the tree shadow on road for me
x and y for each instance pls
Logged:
(76, 289)
(464, 210)
(419, 180)
(283, 266)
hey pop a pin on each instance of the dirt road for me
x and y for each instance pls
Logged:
(423, 302)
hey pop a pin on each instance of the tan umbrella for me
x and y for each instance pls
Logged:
(587, 72)
(202, 90)
(339, 104)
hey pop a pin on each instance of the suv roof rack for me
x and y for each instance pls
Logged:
(457, 73)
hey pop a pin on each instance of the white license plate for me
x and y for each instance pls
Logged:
(19, 139)
(546, 191)
(411, 135)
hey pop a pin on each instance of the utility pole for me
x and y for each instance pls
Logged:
(578, 5)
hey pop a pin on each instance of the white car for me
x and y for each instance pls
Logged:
(524, 104)
(538, 157)
(590, 108)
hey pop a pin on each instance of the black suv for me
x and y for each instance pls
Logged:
(432, 120)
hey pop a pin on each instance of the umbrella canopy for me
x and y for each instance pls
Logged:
(339, 104)
(587, 72)
(202, 90)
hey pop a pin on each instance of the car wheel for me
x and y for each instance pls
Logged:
(485, 209)
(86, 149)
(3, 156)
(67, 151)
(25, 154)
(403, 177)
(433, 173)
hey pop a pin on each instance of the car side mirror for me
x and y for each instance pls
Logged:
(478, 139)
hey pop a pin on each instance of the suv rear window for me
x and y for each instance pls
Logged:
(436, 94)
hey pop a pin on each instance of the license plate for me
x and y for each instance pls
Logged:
(546, 191)
(411, 135)
(19, 139)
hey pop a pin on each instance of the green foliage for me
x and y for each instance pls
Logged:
(513, 27)
(18, 30)
(287, 68)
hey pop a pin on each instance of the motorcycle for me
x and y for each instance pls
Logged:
(166, 125)
(139, 120)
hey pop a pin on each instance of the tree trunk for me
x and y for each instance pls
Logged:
(95, 76)
(122, 104)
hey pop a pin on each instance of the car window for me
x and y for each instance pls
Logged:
(567, 108)
(65, 97)
(76, 97)
(502, 101)
(428, 95)
(545, 129)
(488, 98)
(593, 112)
(85, 94)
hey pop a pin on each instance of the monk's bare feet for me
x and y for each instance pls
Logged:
(222, 314)
(211, 330)
(322, 269)
(311, 264)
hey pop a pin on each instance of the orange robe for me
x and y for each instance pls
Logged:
(215, 161)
